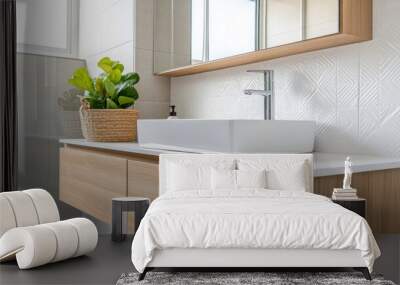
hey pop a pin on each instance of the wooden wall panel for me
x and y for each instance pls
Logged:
(375, 199)
(382, 191)
(325, 185)
(360, 182)
(391, 196)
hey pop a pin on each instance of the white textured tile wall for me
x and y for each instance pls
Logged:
(352, 92)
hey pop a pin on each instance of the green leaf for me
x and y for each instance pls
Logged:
(125, 101)
(81, 80)
(110, 66)
(129, 91)
(95, 102)
(115, 76)
(109, 86)
(123, 84)
(118, 66)
(111, 104)
(132, 76)
(106, 64)
(99, 86)
(111, 89)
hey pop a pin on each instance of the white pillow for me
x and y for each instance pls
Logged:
(282, 174)
(188, 177)
(251, 178)
(223, 179)
(227, 179)
(187, 174)
(291, 176)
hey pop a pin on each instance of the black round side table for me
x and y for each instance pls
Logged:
(120, 205)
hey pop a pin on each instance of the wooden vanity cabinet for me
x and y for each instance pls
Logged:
(143, 179)
(90, 178)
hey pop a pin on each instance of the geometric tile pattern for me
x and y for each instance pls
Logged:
(352, 92)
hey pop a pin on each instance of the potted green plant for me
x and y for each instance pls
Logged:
(107, 112)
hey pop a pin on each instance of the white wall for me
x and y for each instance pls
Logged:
(123, 30)
(47, 27)
(106, 28)
(352, 92)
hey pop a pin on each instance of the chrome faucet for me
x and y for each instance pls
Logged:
(267, 93)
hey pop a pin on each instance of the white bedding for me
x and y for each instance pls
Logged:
(250, 219)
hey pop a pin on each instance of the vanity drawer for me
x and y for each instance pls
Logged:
(143, 179)
(89, 180)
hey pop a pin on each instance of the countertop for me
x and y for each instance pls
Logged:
(123, 147)
(325, 164)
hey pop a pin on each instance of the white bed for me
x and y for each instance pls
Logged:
(206, 226)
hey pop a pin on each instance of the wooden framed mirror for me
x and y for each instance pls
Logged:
(194, 36)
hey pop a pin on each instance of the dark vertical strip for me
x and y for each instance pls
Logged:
(8, 96)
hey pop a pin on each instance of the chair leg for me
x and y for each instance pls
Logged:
(143, 274)
(365, 272)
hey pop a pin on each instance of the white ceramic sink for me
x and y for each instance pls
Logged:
(232, 136)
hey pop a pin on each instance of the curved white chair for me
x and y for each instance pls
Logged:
(31, 232)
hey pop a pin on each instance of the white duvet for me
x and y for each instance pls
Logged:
(250, 219)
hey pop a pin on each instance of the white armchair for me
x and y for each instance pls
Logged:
(31, 230)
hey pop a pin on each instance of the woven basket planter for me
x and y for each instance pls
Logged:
(109, 125)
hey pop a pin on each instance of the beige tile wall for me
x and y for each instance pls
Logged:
(154, 90)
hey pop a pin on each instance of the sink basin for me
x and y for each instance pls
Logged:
(231, 136)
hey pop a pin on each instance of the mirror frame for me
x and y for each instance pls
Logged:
(355, 25)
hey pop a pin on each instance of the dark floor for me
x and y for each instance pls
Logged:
(110, 260)
(104, 266)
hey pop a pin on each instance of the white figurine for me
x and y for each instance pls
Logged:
(347, 174)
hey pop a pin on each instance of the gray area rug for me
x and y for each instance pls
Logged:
(269, 278)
